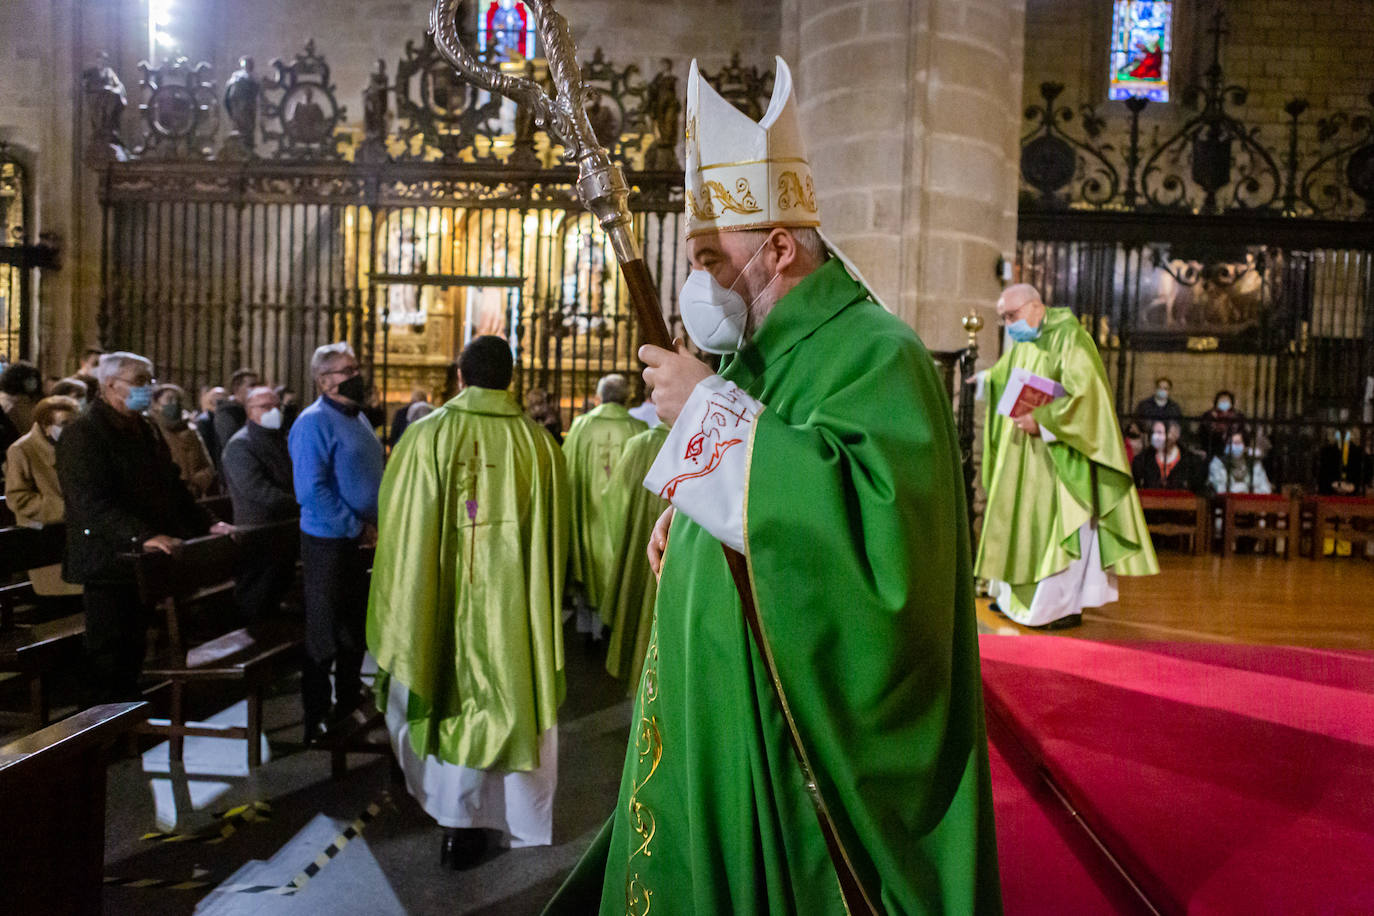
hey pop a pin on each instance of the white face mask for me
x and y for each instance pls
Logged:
(271, 419)
(54, 433)
(715, 317)
(1157, 440)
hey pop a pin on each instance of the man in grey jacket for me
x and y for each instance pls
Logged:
(257, 469)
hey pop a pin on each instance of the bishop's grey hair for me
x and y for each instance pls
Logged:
(613, 389)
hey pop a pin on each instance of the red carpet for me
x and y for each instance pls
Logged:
(1224, 779)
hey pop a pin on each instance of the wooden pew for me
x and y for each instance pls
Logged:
(53, 786)
(1198, 530)
(22, 549)
(251, 656)
(1337, 517)
(1263, 517)
(33, 651)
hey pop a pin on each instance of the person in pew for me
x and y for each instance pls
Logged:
(1161, 406)
(1237, 469)
(210, 399)
(189, 451)
(465, 616)
(21, 387)
(1343, 466)
(1063, 519)
(628, 514)
(402, 416)
(33, 492)
(1215, 427)
(123, 495)
(257, 472)
(595, 441)
(336, 465)
(73, 388)
(230, 415)
(1165, 464)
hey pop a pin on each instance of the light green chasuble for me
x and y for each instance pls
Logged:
(628, 513)
(857, 544)
(466, 602)
(1040, 493)
(592, 447)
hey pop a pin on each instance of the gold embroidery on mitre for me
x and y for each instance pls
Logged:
(792, 193)
(649, 744)
(713, 192)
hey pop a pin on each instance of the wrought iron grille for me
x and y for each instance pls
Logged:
(250, 232)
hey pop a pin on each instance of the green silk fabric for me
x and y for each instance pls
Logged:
(592, 448)
(628, 513)
(857, 544)
(1040, 493)
(466, 601)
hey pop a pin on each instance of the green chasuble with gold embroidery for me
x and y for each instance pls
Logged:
(1040, 493)
(628, 512)
(592, 447)
(857, 543)
(466, 602)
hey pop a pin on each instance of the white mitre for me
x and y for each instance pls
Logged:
(743, 174)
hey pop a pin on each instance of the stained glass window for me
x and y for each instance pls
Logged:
(1142, 49)
(506, 31)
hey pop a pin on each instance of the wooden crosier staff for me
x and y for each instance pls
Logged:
(604, 192)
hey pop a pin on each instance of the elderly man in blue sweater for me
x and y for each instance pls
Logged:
(337, 469)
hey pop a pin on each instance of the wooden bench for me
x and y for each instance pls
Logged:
(1264, 517)
(22, 549)
(1178, 503)
(53, 786)
(1336, 517)
(33, 652)
(252, 656)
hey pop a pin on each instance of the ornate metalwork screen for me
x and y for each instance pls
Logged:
(249, 232)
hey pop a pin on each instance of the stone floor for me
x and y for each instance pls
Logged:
(392, 867)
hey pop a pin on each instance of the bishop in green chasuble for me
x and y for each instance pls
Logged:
(825, 452)
(465, 615)
(1063, 517)
(593, 446)
(628, 513)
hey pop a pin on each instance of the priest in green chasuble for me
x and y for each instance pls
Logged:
(834, 759)
(628, 513)
(465, 612)
(1063, 518)
(592, 447)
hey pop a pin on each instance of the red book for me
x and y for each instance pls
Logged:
(1027, 391)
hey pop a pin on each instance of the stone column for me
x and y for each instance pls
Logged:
(911, 110)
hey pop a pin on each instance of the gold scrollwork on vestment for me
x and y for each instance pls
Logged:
(793, 193)
(713, 193)
(649, 745)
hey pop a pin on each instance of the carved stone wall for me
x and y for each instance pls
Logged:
(911, 118)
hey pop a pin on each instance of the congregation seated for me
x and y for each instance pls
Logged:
(189, 452)
(1160, 406)
(21, 386)
(1238, 469)
(1216, 425)
(1166, 464)
(32, 490)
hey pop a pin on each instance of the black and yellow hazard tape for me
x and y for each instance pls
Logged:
(228, 825)
(296, 884)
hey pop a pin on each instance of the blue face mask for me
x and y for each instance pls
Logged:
(1235, 450)
(140, 398)
(1022, 332)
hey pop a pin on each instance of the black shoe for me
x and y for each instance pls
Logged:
(462, 847)
(1064, 623)
(997, 609)
(315, 734)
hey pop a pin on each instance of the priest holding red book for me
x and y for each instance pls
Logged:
(1063, 518)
